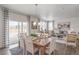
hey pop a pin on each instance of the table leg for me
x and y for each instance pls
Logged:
(42, 50)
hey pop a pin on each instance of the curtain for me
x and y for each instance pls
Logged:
(3, 19)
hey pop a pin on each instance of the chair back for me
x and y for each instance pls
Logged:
(71, 38)
(29, 44)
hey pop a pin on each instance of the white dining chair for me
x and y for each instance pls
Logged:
(51, 48)
(29, 47)
(21, 42)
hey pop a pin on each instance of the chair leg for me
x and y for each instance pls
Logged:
(54, 52)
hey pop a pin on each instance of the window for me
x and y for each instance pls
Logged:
(43, 26)
(50, 26)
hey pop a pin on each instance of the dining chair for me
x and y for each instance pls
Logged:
(21, 42)
(29, 47)
(51, 48)
(71, 42)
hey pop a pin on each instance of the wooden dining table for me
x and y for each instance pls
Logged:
(41, 45)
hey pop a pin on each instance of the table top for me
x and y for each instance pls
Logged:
(41, 42)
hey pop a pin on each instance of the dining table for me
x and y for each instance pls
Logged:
(41, 44)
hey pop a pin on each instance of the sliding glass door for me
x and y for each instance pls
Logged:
(15, 28)
(13, 32)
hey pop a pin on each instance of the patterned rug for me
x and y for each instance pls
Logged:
(19, 51)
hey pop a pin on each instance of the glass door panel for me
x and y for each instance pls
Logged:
(25, 27)
(15, 28)
(13, 32)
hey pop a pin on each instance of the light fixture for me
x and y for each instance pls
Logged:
(36, 4)
(34, 23)
(36, 9)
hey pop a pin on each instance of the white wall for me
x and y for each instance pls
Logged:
(73, 20)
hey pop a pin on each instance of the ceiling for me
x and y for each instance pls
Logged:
(46, 11)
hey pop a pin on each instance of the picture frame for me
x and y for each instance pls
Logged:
(33, 25)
